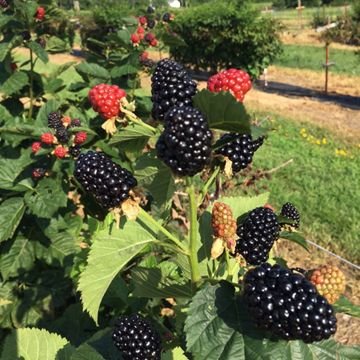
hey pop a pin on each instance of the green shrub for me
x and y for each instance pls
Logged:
(220, 35)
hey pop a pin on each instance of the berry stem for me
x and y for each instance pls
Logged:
(132, 117)
(208, 183)
(148, 219)
(195, 274)
(31, 85)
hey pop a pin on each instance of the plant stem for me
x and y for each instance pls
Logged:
(132, 117)
(195, 274)
(31, 90)
(228, 265)
(209, 182)
(148, 219)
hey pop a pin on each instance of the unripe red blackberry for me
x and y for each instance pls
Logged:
(38, 173)
(47, 138)
(236, 81)
(239, 149)
(60, 152)
(35, 147)
(54, 120)
(223, 223)
(289, 211)
(40, 13)
(136, 338)
(329, 281)
(80, 137)
(134, 38)
(287, 304)
(170, 86)
(257, 234)
(185, 144)
(75, 123)
(108, 182)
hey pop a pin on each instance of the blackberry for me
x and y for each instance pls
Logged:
(4, 4)
(75, 123)
(287, 304)
(170, 86)
(166, 17)
(150, 9)
(54, 120)
(185, 144)
(289, 210)
(239, 148)
(107, 181)
(75, 151)
(136, 338)
(62, 135)
(41, 42)
(257, 234)
(151, 24)
(26, 35)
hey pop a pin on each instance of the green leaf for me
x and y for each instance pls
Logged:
(32, 344)
(175, 354)
(93, 70)
(86, 352)
(47, 198)
(14, 83)
(296, 238)
(344, 305)
(50, 106)
(20, 256)
(56, 45)
(122, 70)
(222, 111)
(131, 132)
(152, 283)
(108, 255)
(53, 86)
(12, 211)
(39, 51)
(156, 177)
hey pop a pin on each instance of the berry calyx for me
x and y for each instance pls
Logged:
(329, 281)
(223, 224)
(170, 86)
(257, 234)
(60, 152)
(38, 173)
(185, 144)
(239, 148)
(136, 338)
(48, 138)
(287, 304)
(107, 181)
(35, 147)
(236, 81)
(105, 99)
(135, 39)
(289, 211)
(80, 137)
(40, 13)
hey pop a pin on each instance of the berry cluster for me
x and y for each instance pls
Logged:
(105, 99)
(170, 86)
(239, 149)
(108, 182)
(40, 13)
(329, 281)
(287, 304)
(236, 81)
(289, 211)
(257, 234)
(185, 144)
(135, 337)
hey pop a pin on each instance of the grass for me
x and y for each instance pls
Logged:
(312, 58)
(322, 185)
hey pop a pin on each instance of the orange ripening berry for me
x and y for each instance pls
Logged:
(329, 281)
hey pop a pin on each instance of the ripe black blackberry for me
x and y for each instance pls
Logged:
(151, 24)
(166, 17)
(54, 120)
(107, 181)
(41, 42)
(289, 210)
(185, 144)
(62, 135)
(4, 4)
(150, 9)
(136, 338)
(257, 234)
(26, 35)
(239, 149)
(75, 123)
(287, 304)
(170, 86)
(75, 150)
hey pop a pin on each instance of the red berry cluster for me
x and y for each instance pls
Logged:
(236, 81)
(105, 100)
(140, 35)
(40, 13)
